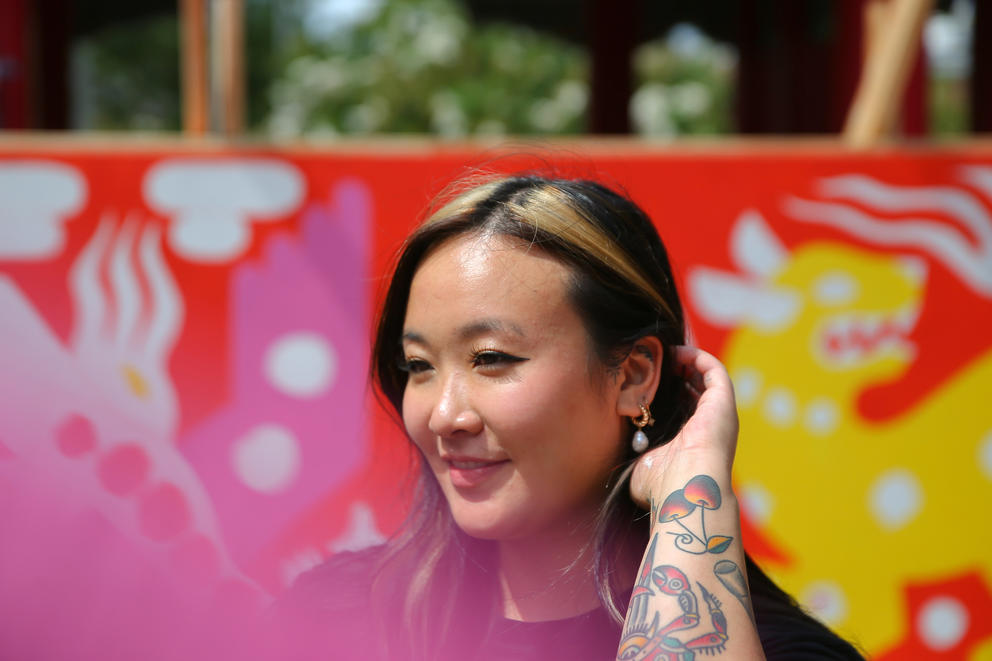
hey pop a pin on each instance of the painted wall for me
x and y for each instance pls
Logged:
(184, 338)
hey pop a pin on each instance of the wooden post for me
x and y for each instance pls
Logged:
(193, 63)
(892, 48)
(228, 58)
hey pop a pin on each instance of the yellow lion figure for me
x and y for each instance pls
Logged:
(862, 508)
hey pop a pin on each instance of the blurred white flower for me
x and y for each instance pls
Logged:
(572, 96)
(686, 40)
(491, 127)
(691, 99)
(947, 40)
(447, 116)
(547, 115)
(367, 116)
(649, 110)
(440, 39)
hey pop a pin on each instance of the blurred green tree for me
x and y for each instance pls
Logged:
(399, 66)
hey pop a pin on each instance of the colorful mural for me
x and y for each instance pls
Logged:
(184, 339)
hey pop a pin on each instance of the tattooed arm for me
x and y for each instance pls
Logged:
(691, 595)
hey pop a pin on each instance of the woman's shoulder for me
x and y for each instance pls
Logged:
(340, 582)
(326, 610)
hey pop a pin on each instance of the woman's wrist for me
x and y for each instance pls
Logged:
(676, 475)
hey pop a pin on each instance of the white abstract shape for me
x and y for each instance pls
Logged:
(942, 622)
(724, 299)
(822, 416)
(826, 600)
(167, 311)
(124, 334)
(915, 268)
(37, 197)
(266, 458)
(747, 385)
(301, 364)
(985, 455)
(213, 202)
(967, 254)
(361, 532)
(124, 285)
(835, 288)
(780, 407)
(754, 247)
(757, 502)
(89, 302)
(895, 498)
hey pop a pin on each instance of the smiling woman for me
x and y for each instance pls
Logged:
(531, 340)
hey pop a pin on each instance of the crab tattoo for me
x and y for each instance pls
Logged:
(644, 641)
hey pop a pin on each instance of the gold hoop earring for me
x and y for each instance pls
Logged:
(640, 440)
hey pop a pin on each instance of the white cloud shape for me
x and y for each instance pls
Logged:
(36, 197)
(212, 203)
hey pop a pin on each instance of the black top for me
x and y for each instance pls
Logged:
(326, 615)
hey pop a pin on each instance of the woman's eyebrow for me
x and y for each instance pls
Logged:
(469, 331)
(413, 336)
(483, 326)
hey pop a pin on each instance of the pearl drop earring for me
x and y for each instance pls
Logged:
(640, 440)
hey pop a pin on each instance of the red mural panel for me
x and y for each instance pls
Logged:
(184, 343)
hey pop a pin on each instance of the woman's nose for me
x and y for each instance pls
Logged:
(453, 413)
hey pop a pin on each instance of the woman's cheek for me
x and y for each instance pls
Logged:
(415, 417)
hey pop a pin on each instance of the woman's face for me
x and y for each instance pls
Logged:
(517, 420)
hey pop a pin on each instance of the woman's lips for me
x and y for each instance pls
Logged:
(466, 473)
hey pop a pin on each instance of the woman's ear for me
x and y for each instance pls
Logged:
(640, 373)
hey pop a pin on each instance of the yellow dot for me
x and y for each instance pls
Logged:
(135, 381)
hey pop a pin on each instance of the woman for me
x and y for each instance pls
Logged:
(574, 496)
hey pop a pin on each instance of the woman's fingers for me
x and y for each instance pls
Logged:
(709, 436)
(701, 369)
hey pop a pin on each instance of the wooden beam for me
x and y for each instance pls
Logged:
(229, 57)
(193, 66)
(893, 32)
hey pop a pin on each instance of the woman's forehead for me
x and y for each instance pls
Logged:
(489, 283)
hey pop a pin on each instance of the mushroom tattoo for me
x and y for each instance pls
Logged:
(702, 493)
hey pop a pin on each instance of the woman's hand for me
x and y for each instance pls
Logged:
(695, 530)
(707, 442)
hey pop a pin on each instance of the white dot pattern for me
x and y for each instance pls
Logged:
(267, 458)
(942, 623)
(780, 407)
(301, 364)
(895, 498)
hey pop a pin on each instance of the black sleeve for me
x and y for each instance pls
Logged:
(786, 630)
(325, 614)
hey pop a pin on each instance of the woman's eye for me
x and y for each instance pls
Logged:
(494, 359)
(415, 365)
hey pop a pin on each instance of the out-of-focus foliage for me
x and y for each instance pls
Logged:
(684, 85)
(418, 66)
(127, 76)
(947, 43)
(423, 66)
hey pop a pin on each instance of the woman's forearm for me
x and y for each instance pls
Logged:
(691, 594)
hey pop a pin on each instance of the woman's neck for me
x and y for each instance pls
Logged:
(548, 577)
